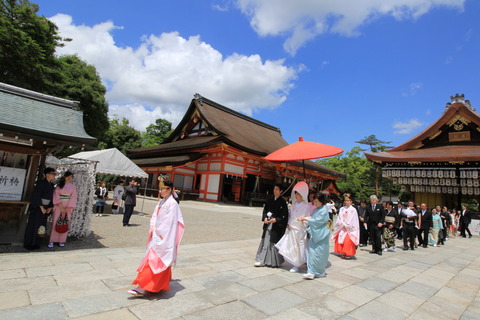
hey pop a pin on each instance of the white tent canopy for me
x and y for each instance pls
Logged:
(111, 161)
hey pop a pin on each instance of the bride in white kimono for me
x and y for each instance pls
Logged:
(292, 246)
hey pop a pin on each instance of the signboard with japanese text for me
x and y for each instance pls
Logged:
(11, 183)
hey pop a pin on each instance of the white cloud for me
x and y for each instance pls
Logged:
(165, 71)
(406, 127)
(140, 116)
(412, 89)
(303, 20)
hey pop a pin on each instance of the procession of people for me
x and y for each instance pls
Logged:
(297, 230)
(305, 244)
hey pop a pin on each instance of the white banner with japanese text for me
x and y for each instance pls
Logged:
(11, 183)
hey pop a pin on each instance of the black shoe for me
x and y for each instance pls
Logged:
(412, 248)
(425, 246)
(379, 253)
(124, 225)
(469, 236)
(405, 249)
(373, 251)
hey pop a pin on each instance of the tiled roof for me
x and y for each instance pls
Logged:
(229, 127)
(433, 144)
(437, 154)
(41, 116)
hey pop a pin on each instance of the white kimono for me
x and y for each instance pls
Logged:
(292, 246)
(166, 230)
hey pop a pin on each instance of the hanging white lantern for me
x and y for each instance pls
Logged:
(462, 174)
(444, 189)
(453, 174)
(469, 182)
(476, 183)
(475, 174)
(476, 191)
(464, 190)
(434, 173)
(440, 174)
(450, 190)
(448, 182)
(429, 173)
(470, 191)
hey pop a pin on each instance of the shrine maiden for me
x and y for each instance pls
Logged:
(166, 230)
(347, 233)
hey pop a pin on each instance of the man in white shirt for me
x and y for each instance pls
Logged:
(117, 196)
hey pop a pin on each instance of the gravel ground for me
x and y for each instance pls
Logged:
(204, 222)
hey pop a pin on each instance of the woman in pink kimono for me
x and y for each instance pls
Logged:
(347, 232)
(292, 246)
(64, 201)
(166, 230)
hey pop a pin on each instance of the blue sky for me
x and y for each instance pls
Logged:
(330, 71)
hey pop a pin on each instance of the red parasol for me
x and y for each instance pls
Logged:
(303, 150)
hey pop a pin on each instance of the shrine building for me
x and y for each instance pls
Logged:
(441, 165)
(217, 154)
(32, 125)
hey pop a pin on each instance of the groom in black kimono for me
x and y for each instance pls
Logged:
(275, 219)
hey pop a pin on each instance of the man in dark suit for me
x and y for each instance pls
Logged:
(375, 215)
(400, 213)
(465, 220)
(425, 224)
(275, 219)
(362, 223)
(130, 201)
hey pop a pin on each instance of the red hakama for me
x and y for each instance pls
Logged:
(347, 248)
(152, 282)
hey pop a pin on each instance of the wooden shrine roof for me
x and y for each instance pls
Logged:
(438, 154)
(41, 117)
(224, 126)
(454, 137)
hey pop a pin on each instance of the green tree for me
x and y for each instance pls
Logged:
(376, 145)
(359, 172)
(27, 46)
(121, 135)
(156, 132)
(27, 60)
(81, 82)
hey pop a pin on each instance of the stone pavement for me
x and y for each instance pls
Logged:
(217, 280)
